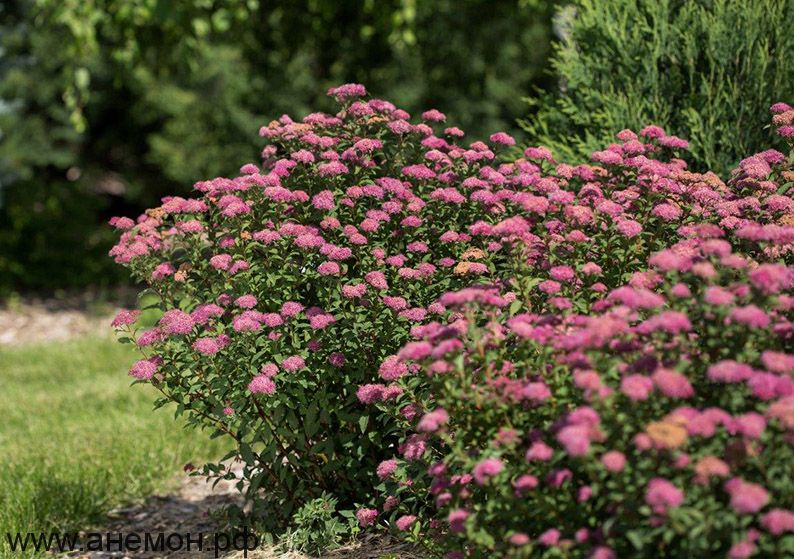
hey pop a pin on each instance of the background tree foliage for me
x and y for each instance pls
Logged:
(107, 105)
(705, 70)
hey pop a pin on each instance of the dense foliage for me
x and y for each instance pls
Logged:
(289, 295)
(578, 414)
(706, 70)
(659, 426)
(106, 106)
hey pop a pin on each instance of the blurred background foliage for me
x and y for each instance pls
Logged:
(705, 70)
(108, 105)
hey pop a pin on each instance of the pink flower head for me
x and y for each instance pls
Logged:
(366, 517)
(434, 115)
(247, 321)
(562, 273)
(539, 451)
(262, 384)
(405, 522)
(772, 278)
(176, 321)
(271, 319)
(144, 369)
(293, 363)
(636, 387)
(290, 308)
(575, 439)
(614, 461)
(778, 521)
(629, 228)
(550, 537)
(413, 448)
(392, 368)
(376, 280)
(503, 139)
(603, 552)
(525, 483)
(390, 503)
(329, 268)
(778, 362)
(203, 313)
(673, 384)
(486, 469)
(337, 359)
(750, 315)
(729, 371)
(746, 497)
(370, 393)
(122, 223)
(415, 351)
(246, 302)
(662, 495)
(457, 520)
(149, 337)
(125, 317)
(742, 550)
(206, 346)
(221, 261)
(518, 539)
(433, 421)
(269, 370)
(536, 391)
(347, 91)
(386, 468)
(162, 271)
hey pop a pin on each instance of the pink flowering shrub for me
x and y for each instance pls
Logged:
(655, 421)
(287, 292)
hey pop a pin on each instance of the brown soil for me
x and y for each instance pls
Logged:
(195, 507)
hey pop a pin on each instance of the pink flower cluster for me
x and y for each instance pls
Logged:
(655, 399)
(291, 294)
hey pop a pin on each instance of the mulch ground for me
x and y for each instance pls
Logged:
(196, 507)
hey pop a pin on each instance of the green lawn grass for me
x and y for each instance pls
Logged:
(76, 440)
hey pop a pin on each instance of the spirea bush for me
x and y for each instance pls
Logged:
(658, 423)
(285, 294)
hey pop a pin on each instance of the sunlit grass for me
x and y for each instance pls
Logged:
(77, 440)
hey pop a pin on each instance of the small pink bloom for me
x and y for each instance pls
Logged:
(778, 521)
(550, 537)
(143, 369)
(405, 522)
(386, 468)
(293, 363)
(746, 497)
(614, 461)
(366, 517)
(662, 495)
(262, 384)
(125, 317)
(433, 421)
(486, 469)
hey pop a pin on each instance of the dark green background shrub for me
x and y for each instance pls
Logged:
(705, 70)
(106, 106)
